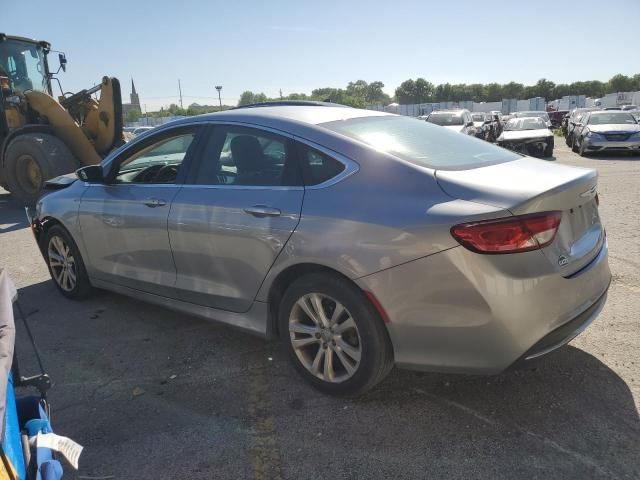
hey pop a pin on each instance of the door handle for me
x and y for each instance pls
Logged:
(262, 211)
(154, 202)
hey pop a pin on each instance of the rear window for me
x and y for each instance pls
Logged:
(422, 143)
(445, 119)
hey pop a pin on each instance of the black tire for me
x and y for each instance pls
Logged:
(581, 149)
(568, 140)
(574, 145)
(548, 152)
(82, 287)
(33, 158)
(376, 359)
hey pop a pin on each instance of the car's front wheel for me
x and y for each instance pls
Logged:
(548, 152)
(582, 151)
(333, 335)
(65, 264)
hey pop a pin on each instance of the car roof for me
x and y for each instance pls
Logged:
(450, 112)
(286, 113)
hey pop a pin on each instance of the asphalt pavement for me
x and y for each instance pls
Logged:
(155, 394)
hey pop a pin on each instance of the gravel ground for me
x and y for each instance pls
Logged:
(155, 394)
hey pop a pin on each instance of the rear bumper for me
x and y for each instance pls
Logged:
(565, 333)
(461, 312)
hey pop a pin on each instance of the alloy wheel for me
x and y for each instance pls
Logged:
(62, 263)
(325, 337)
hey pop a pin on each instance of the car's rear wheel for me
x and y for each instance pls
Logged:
(333, 335)
(65, 264)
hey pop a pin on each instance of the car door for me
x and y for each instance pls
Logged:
(234, 215)
(124, 219)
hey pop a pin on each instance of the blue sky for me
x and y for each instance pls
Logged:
(300, 45)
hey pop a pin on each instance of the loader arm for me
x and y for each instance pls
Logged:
(64, 126)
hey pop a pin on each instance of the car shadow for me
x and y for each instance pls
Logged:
(12, 215)
(127, 373)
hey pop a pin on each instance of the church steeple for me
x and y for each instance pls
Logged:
(135, 99)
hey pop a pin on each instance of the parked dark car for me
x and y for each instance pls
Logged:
(557, 117)
(575, 117)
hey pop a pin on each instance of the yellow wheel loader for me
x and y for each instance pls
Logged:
(42, 137)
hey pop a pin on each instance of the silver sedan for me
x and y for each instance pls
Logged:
(607, 131)
(362, 239)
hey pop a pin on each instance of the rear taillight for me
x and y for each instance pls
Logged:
(509, 235)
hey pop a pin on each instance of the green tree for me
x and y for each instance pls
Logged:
(543, 88)
(620, 83)
(248, 97)
(406, 92)
(133, 115)
(513, 90)
(494, 92)
(423, 90)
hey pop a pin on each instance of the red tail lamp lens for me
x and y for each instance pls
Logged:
(509, 235)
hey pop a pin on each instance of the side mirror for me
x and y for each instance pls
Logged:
(578, 124)
(469, 124)
(63, 61)
(91, 174)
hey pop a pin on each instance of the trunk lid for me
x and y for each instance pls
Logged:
(529, 185)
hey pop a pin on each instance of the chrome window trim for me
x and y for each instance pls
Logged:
(131, 184)
(243, 187)
(351, 166)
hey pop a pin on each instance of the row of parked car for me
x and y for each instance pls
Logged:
(525, 132)
(593, 130)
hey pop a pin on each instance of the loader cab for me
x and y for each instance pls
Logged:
(24, 63)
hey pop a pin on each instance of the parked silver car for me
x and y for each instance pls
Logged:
(611, 130)
(455, 120)
(527, 135)
(362, 239)
(534, 113)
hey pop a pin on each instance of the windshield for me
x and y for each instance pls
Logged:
(526, 123)
(23, 63)
(445, 119)
(478, 117)
(421, 143)
(612, 117)
(543, 115)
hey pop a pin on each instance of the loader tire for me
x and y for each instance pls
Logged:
(33, 158)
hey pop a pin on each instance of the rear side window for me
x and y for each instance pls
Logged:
(247, 157)
(317, 167)
(422, 143)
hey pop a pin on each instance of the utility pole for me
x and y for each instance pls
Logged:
(180, 90)
(219, 88)
(280, 94)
